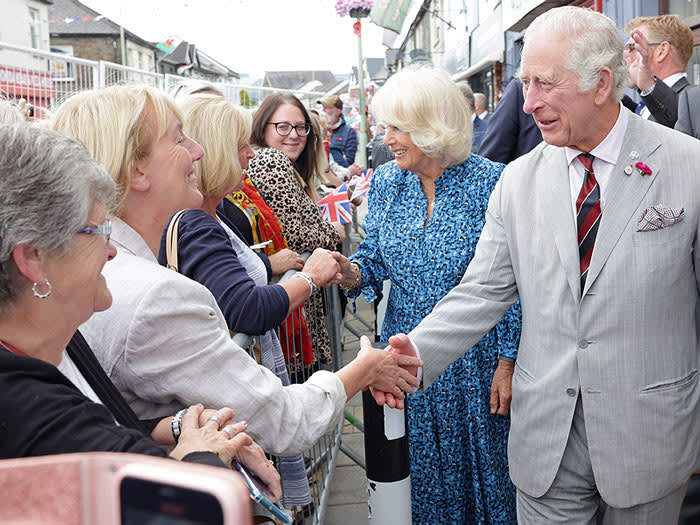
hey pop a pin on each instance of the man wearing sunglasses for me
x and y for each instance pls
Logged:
(657, 54)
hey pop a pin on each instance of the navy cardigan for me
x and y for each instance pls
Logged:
(205, 255)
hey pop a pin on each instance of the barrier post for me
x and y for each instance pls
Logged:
(386, 456)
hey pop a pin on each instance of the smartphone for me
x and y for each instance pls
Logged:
(120, 489)
(258, 494)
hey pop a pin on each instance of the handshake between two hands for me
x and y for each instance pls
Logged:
(388, 388)
(402, 347)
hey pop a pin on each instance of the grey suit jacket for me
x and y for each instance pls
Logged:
(628, 347)
(689, 112)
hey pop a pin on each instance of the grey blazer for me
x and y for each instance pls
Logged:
(629, 346)
(689, 112)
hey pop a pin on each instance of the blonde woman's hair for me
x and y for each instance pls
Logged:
(426, 103)
(119, 125)
(321, 158)
(221, 128)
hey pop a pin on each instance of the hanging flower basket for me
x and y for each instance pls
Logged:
(353, 8)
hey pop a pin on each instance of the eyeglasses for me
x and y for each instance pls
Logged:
(102, 229)
(629, 46)
(285, 128)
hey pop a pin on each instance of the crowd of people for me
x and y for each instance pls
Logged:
(540, 258)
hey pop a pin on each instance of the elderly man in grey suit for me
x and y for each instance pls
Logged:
(596, 231)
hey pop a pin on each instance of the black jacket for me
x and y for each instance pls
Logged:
(42, 412)
(662, 102)
(511, 132)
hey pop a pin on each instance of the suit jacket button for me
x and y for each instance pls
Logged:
(583, 344)
(571, 392)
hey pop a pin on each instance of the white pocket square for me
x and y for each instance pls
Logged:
(658, 217)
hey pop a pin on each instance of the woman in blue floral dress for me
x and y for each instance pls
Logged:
(426, 212)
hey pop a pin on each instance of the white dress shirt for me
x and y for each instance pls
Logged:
(605, 153)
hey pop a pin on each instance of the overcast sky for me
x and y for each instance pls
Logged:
(252, 36)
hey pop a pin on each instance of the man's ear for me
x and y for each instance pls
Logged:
(604, 87)
(663, 51)
(30, 262)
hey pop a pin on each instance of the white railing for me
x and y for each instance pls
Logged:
(111, 74)
(63, 75)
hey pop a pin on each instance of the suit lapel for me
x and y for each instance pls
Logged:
(680, 84)
(557, 202)
(624, 193)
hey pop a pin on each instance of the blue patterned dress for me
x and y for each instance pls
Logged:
(459, 470)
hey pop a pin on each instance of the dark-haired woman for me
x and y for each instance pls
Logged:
(285, 162)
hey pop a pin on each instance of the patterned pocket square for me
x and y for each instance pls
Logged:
(658, 217)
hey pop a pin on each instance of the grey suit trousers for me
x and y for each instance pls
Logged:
(573, 497)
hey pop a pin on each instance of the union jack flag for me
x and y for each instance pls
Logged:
(335, 207)
(361, 184)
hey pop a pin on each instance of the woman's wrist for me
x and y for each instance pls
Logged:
(176, 424)
(310, 280)
(354, 279)
(505, 362)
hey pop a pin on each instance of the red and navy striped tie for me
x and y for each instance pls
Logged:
(587, 214)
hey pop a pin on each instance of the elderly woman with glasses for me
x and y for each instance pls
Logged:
(55, 241)
(165, 342)
(426, 211)
(285, 162)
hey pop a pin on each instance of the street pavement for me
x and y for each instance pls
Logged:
(347, 503)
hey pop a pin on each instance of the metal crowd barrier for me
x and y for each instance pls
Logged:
(322, 456)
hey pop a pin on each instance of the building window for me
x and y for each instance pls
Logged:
(684, 8)
(35, 28)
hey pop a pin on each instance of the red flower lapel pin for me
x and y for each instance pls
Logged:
(643, 169)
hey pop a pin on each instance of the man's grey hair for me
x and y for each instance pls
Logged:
(48, 183)
(480, 100)
(594, 43)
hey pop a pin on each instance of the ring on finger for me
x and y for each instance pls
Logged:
(231, 433)
(217, 419)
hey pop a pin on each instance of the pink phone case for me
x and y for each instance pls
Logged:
(76, 489)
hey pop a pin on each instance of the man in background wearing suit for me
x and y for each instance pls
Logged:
(689, 112)
(657, 54)
(479, 125)
(596, 230)
(511, 132)
(481, 106)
